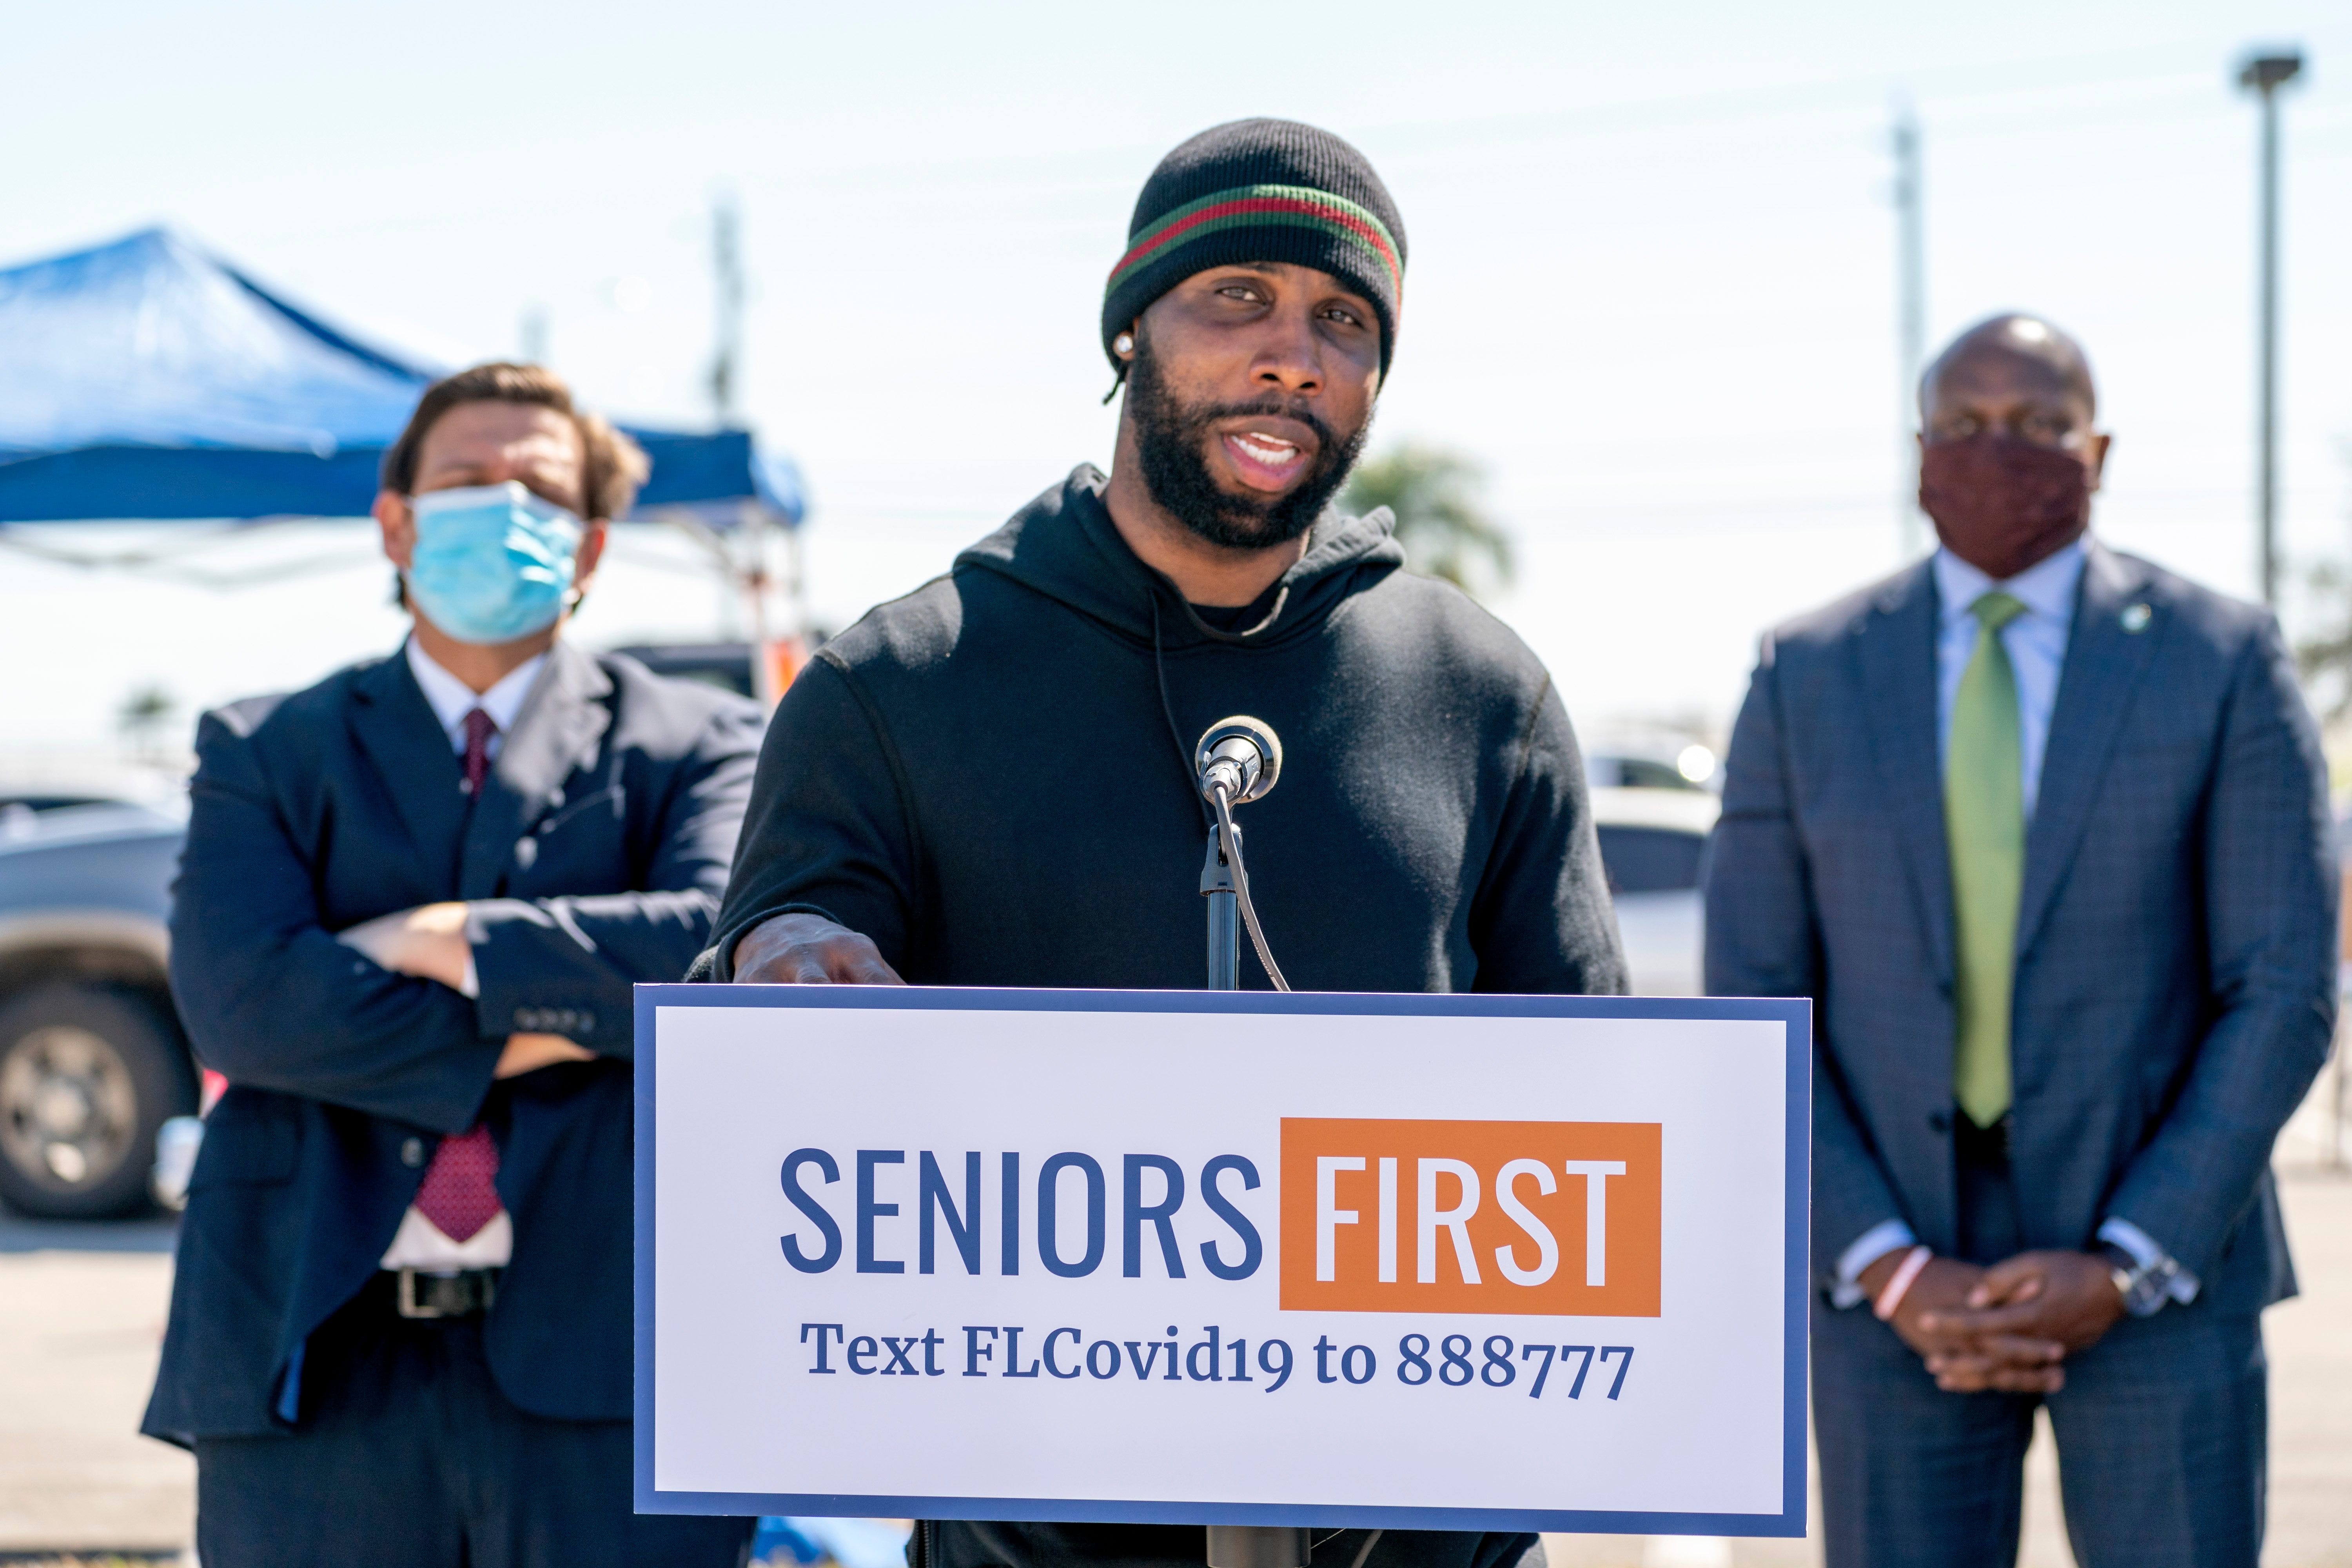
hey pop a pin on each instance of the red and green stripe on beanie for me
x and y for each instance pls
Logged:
(1264, 190)
(1261, 207)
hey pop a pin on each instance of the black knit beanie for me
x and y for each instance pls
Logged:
(1260, 190)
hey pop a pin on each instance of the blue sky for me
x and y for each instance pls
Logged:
(1650, 286)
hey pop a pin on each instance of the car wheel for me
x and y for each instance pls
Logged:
(87, 1077)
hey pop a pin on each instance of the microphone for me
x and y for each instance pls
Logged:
(1237, 760)
(1240, 757)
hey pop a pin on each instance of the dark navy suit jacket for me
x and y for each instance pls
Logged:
(2176, 938)
(599, 847)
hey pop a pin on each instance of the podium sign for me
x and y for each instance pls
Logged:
(1418, 1262)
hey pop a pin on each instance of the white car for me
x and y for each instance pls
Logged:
(1654, 844)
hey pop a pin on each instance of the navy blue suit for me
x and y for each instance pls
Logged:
(2174, 997)
(596, 853)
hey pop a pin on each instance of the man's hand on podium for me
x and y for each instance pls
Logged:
(802, 948)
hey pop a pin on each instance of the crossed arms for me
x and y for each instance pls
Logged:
(377, 1017)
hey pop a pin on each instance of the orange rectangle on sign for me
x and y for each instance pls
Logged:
(1551, 1218)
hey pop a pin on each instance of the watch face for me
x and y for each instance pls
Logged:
(2143, 1289)
(2150, 1288)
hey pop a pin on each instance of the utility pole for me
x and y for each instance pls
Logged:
(1911, 320)
(2264, 75)
(535, 335)
(727, 267)
(744, 548)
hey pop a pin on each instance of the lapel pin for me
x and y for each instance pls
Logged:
(2136, 618)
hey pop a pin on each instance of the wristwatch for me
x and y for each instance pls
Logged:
(2145, 1287)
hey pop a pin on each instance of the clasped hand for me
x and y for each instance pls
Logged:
(430, 942)
(2007, 1328)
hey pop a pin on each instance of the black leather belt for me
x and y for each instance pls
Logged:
(419, 1294)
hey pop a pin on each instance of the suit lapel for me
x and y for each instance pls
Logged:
(2104, 665)
(1896, 648)
(560, 724)
(396, 729)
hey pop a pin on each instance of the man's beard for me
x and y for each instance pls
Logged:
(1172, 440)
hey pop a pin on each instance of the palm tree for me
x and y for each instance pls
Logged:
(1441, 519)
(142, 718)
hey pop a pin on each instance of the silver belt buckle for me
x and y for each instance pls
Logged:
(409, 1306)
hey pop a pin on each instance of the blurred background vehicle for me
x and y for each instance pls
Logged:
(1653, 843)
(1654, 762)
(726, 665)
(92, 1060)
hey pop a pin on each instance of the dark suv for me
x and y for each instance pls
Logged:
(92, 1061)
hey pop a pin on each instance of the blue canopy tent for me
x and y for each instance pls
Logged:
(148, 380)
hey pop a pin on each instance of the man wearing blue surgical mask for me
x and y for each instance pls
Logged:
(412, 902)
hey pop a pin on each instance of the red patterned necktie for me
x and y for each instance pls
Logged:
(460, 1194)
(480, 728)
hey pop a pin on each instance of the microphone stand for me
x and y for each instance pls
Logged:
(1224, 912)
(1238, 1545)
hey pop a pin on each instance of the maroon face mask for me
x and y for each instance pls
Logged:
(2002, 503)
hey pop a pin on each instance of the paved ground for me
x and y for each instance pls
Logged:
(81, 1315)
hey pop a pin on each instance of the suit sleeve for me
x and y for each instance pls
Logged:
(566, 965)
(270, 997)
(1763, 939)
(2269, 919)
(1542, 922)
(828, 831)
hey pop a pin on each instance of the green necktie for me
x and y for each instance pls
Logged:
(1984, 827)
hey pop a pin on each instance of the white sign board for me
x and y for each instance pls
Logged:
(1423, 1262)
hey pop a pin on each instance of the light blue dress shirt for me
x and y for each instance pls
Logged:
(2036, 645)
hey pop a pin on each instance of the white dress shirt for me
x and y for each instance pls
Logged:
(419, 1243)
(452, 698)
(2036, 645)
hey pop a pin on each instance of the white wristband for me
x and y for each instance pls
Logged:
(1892, 1297)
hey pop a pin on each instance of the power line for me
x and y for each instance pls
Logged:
(1119, 164)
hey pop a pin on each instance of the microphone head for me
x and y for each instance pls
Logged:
(1243, 752)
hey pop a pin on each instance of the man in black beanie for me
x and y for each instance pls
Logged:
(989, 781)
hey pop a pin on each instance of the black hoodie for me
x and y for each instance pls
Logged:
(983, 777)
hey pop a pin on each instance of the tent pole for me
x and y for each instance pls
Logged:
(752, 574)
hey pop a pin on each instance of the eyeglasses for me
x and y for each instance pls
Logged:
(2042, 429)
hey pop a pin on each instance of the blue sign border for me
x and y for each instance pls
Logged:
(1796, 1014)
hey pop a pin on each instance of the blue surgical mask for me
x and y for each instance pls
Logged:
(492, 563)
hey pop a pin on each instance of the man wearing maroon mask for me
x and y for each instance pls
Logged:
(2043, 831)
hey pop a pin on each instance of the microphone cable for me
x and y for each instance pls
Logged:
(1229, 845)
(1228, 841)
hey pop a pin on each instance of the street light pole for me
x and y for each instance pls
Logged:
(2264, 75)
(1911, 321)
